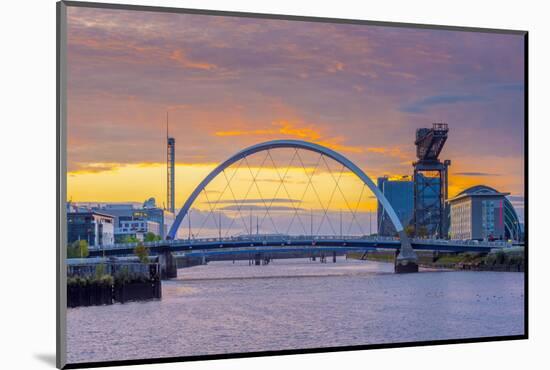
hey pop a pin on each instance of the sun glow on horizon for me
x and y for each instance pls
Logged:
(137, 182)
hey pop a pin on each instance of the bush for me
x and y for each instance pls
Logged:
(72, 281)
(129, 239)
(151, 237)
(142, 253)
(78, 249)
(122, 276)
(99, 271)
(500, 257)
(106, 280)
(472, 257)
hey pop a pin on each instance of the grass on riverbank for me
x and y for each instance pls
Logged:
(101, 277)
(497, 260)
(372, 256)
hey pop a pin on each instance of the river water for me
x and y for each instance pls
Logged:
(226, 308)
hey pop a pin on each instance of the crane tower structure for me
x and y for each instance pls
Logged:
(430, 182)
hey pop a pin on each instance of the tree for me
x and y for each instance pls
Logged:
(78, 249)
(142, 253)
(422, 232)
(410, 231)
(129, 239)
(151, 237)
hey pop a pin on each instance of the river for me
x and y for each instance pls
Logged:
(226, 308)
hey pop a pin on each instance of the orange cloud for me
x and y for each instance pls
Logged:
(335, 67)
(180, 57)
(86, 168)
(395, 152)
(334, 144)
(99, 167)
(287, 128)
(245, 132)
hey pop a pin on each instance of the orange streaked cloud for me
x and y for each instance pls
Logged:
(393, 151)
(285, 128)
(290, 129)
(97, 167)
(88, 168)
(181, 57)
(335, 67)
(247, 132)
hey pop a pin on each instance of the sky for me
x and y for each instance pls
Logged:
(229, 82)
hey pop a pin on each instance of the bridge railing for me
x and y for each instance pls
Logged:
(289, 238)
(253, 238)
(483, 243)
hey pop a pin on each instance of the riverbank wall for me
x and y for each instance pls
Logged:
(510, 260)
(107, 282)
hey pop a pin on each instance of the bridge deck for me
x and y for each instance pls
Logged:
(289, 243)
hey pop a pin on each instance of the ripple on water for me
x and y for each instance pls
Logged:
(225, 308)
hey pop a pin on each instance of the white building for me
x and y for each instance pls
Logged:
(94, 227)
(137, 228)
(482, 213)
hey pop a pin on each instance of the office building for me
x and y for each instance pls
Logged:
(94, 227)
(399, 191)
(126, 212)
(483, 213)
(135, 228)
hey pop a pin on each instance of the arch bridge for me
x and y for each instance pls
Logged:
(406, 260)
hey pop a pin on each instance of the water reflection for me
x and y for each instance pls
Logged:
(224, 307)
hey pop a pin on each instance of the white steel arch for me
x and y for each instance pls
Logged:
(297, 144)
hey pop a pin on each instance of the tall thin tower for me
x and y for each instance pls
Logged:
(170, 173)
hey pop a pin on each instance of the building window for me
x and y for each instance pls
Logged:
(488, 218)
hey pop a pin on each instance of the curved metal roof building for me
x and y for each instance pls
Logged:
(512, 226)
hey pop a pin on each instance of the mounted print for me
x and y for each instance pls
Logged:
(235, 184)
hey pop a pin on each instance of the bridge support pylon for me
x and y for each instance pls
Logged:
(168, 266)
(406, 260)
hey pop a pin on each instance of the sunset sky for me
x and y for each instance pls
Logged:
(230, 82)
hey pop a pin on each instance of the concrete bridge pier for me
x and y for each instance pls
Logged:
(406, 259)
(168, 266)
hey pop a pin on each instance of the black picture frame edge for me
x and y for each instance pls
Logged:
(61, 167)
(526, 182)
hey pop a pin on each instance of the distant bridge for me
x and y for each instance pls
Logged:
(406, 259)
(290, 242)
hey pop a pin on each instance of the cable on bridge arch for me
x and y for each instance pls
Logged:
(213, 206)
(325, 212)
(345, 199)
(282, 186)
(217, 201)
(259, 191)
(282, 183)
